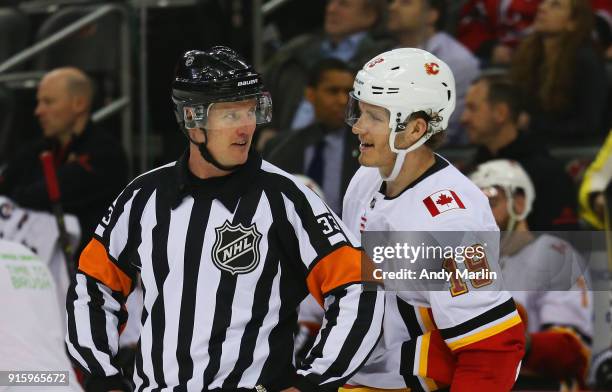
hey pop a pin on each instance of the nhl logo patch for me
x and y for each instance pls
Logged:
(236, 248)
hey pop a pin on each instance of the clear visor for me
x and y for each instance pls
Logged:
(249, 111)
(366, 117)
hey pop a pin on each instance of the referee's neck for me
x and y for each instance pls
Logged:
(200, 167)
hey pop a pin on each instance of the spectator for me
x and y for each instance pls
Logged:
(492, 108)
(90, 164)
(493, 28)
(326, 150)
(561, 76)
(348, 35)
(417, 24)
(603, 25)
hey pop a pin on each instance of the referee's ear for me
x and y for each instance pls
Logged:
(197, 135)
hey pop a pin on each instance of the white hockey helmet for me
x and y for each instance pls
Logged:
(405, 81)
(511, 177)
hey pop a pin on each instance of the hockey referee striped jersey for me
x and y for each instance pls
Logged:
(224, 264)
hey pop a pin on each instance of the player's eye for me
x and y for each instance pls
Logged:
(231, 115)
(374, 116)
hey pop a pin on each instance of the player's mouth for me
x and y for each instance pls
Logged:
(363, 146)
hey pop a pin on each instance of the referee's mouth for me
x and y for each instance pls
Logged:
(242, 143)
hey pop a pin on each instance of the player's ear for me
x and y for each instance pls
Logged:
(419, 129)
(519, 203)
(415, 129)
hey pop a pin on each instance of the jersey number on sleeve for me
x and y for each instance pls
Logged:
(107, 218)
(328, 224)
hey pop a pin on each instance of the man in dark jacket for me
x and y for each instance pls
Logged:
(492, 108)
(326, 150)
(348, 35)
(91, 165)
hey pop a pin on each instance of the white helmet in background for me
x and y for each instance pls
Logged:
(405, 81)
(511, 177)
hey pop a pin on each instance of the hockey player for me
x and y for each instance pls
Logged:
(540, 271)
(402, 100)
(227, 246)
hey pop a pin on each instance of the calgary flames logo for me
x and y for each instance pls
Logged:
(432, 68)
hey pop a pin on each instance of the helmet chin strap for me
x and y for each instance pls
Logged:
(203, 148)
(401, 153)
(514, 218)
(511, 223)
(397, 166)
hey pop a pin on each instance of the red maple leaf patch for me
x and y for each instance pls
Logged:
(444, 199)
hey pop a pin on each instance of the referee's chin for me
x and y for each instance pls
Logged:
(238, 157)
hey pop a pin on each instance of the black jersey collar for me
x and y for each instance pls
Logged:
(227, 189)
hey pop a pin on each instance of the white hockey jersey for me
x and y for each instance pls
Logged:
(31, 323)
(442, 199)
(37, 230)
(553, 290)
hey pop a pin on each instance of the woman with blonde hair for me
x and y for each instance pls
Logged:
(561, 73)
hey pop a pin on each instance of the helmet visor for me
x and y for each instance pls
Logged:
(247, 111)
(366, 117)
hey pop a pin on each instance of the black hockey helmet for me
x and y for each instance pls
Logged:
(203, 78)
(217, 75)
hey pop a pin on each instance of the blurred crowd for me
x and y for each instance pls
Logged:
(553, 51)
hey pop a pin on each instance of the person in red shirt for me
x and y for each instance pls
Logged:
(493, 28)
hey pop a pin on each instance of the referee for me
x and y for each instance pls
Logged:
(227, 246)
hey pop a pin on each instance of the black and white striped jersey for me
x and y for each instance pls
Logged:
(224, 264)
